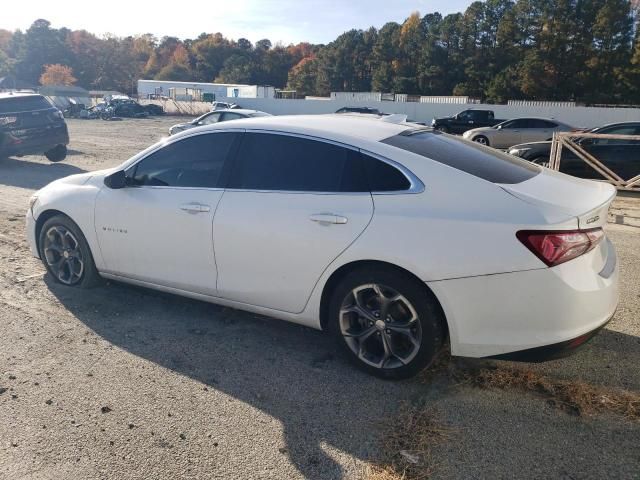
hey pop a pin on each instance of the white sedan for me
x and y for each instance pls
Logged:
(395, 238)
(217, 116)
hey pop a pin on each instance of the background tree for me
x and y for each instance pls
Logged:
(57, 74)
(496, 50)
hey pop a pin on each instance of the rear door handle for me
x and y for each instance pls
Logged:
(195, 207)
(328, 218)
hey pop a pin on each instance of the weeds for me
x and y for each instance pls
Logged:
(408, 445)
(574, 397)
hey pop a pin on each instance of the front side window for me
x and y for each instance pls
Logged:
(195, 161)
(288, 163)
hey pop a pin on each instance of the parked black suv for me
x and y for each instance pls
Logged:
(30, 125)
(466, 120)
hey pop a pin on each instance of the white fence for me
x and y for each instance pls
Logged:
(424, 112)
(539, 103)
(421, 112)
(456, 100)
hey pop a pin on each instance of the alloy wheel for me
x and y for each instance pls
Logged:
(481, 140)
(63, 255)
(380, 326)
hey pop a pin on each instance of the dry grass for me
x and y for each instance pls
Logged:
(412, 435)
(574, 397)
(408, 445)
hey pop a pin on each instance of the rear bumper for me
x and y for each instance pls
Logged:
(34, 142)
(551, 352)
(533, 313)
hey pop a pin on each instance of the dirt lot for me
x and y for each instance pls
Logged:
(125, 383)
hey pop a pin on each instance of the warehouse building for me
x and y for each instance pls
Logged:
(201, 91)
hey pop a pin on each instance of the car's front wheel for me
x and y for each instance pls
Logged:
(481, 139)
(57, 153)
(66, 254)
(387, 322)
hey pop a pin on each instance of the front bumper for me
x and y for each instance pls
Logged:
(520, 312)
(31, 234)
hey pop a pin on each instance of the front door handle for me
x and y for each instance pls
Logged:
(195, 207)
(328, 218)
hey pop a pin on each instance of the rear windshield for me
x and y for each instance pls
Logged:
(23, 104)
(483, 162)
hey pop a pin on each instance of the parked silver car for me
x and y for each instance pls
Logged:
(217, 116)
(517, 130)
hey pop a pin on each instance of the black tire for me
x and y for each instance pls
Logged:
(89, 276)
(542, 161)
(431, 321)
(442, 128)
(482, 140)
(57, 153)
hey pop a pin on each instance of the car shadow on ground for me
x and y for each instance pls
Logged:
(18, 172)
(290, 372)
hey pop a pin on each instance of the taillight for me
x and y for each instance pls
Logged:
(557, 247)
(8, 120)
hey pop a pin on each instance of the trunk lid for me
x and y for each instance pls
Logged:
(586, 200)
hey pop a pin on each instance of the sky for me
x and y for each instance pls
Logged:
(286, 21)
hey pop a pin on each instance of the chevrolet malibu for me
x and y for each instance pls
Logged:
(395, 238)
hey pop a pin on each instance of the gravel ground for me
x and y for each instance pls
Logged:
(125, 383)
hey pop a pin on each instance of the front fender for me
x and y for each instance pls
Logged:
(76, 202)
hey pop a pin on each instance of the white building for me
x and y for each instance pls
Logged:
(201, 90)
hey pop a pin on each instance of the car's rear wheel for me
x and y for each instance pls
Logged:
(57, 153)
(482, 140)
(65, 253)
(387, 322)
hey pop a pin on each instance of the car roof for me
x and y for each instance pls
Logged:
(618, 124)
(332, 126)
(246, 111)
(18, 94)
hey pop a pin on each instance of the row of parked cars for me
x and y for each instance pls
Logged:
(29, 124)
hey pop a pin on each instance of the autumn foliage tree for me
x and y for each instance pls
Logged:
(495, 50)
(57, 74)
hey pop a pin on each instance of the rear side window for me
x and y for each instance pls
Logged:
(539, 123)
(483, 162)
(23, 104)
(195, 162)
(287, 163)
(383, 177)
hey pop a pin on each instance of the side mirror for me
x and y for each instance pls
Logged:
(116, 180)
